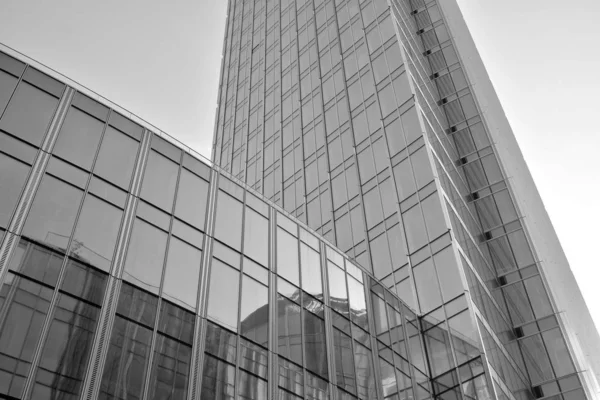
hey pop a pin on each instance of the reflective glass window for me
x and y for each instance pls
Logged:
(344, 361)
(251, 387)
(145, 256)
(53, 212)
(23, 306)
(160, 179)
(83, 282)
(253, 358)
(289, 330)
(176, 322)
(137, 305)
(29, 113)
(228, 225)
(8, 83)
(415, 228)
(36, 262)
(170, 370)
(125, 368)
(316, 388)
(12, 180)
(427, 286)
(218, 380)
(291, 377)
(256, 236)
(78, 139)
(287, 257)
(365, 375)
(254, 315)
(221, 343)
(96, 233)
(558, 352)
(182, 273)
(116, 158)
(192, 197)
(67, 349)
(358, 307)
(223, 294)
(310, 261)
(315, 351)
(337, 289)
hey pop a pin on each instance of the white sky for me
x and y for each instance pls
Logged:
(161, 60)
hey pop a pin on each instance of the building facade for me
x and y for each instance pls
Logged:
(375, 123)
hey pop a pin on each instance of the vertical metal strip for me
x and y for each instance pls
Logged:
(273, 334)
(92, 380)
(329, 340)
(373, 332)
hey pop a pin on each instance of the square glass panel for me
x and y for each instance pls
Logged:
(116, 159)
(78, 138)
(36, 262)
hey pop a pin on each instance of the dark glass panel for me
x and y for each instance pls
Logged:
(23, 307)
(12, 180)
(291, 377)
(290, 330)
(251, 387)
(316, 388)
(223, 294)
(228, 225)
(287, 260)
(29, 113)
(344, 361)
(18, 149)
(160, 179)
(220, 342)
(218, 381)
(170, 370)
(365, 374)
(67, 350)
(36, 262)
(116, 158)
(126, 361)
(176, 322)
(145, 256)
(254, 316)
(310, 262)
(315, 350)
(8, 83)
(253, 358)
(84, 282)
(558, 352)
(78, 139)
(192, 197)
(137, 305)
(256, 236)
(96, 233)
(182, 273)
(53, 212)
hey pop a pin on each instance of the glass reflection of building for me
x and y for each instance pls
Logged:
(357, 238)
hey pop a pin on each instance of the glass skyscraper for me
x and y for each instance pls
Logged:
(368, 230)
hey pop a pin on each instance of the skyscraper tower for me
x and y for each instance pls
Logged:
(375, 123)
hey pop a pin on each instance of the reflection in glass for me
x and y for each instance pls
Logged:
(388, 379)
(53, 212)
(337, 289)
(96, 233)
(316, 388)
(291, 377)
(365, 375)
(256, 234)
(170, 370)
(287, 257)
(137, 305)
(344, 361)
(251, 387)
(358, 306)
(311, 271)
(220, 342)
(253, 358)
(29, 113)
(223, 294)
(36, 262)
(8, 83)
(218, 380)
(23, 307)
(160, 179)
(182, 273)
(116, 158)
(289, 330)
(12, 180)
(254, 316)
(314, 344)
(192, 196)
(67, 349)
(78, 139)
(84, 282)
(145, 256)
(228, 225)
(176, 322)
(125, 367)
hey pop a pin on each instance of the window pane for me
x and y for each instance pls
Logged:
(218, 380)
(67, 349)
(256, 236)
(182, 273)
(287, 257)
(253, 358)
(251, 387)
(344, 361)
(96, 233)
(160, 179)
(192, 196)
(36, 262)
(427, 286)
(137, 305)
(170, 370)
(145, 256)
(116, 158)
(228, 226)
(221, 342)
(223, 294)
(29, 113)
(254, 316)
(84, 282)
(53, 212)
(78, 138)
(124, 371)
(289, 330)
(314, 344)
(12, 180)
(358, 305)
(365, 376)
(311, 271)
(24, 305)
(176, 322)
(337, 289)
(8, 83)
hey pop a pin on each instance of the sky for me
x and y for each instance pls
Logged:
(163, 64)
